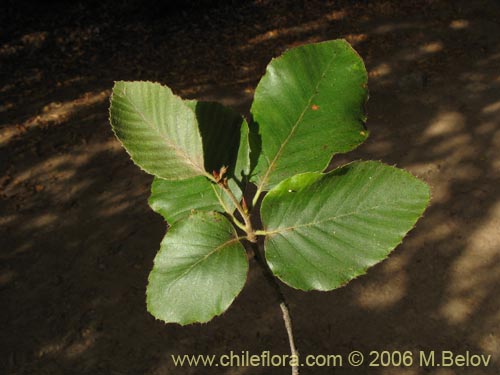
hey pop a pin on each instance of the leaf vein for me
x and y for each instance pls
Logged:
(294, 127)
(169, 144)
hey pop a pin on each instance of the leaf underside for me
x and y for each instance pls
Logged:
(199, 270)
(308, 106)
(325, 229)
(158, 130)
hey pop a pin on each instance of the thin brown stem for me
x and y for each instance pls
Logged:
(271, 279)
(246, 217)
(219, 179)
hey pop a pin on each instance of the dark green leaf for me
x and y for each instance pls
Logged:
(308, 106)
(220, 132)
(243, 162)
(200, 269)
(325, 229)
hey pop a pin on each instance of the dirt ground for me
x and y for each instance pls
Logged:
(77, 238)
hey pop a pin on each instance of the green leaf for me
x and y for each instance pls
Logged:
(200, 269)
(243, 161)
(175, 200)
(322, 230)
(222, 130)
(308, 106)
(157, 129)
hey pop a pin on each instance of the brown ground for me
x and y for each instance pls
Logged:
(77, 238)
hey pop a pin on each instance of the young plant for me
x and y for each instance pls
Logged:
(211, 168)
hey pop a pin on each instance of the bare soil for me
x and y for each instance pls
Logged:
(77, 238)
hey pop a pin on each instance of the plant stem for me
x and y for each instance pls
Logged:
(247, 227)
(246, 217)
(282, 301)
(252, 238)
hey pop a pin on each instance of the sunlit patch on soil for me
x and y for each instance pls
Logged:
(459, 24)
(475, 278)
(445, 123)
(54, 113)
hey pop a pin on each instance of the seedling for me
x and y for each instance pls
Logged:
(211, 169)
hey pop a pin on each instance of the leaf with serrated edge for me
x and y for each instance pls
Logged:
(322, 230)
(175, 200)
(200, 269)
(222, 130)
(308, 106)
(158, 130)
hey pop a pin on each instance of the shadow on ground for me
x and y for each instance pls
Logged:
(77, 236)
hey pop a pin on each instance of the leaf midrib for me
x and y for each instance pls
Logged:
(204, 258)
(333, 218)
(271, 165)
